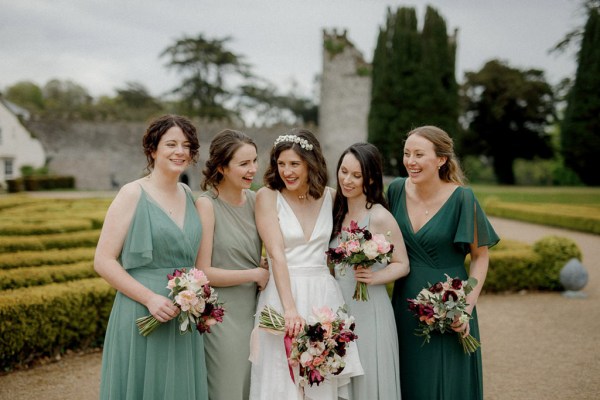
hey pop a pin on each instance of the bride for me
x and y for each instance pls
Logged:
(294, 219)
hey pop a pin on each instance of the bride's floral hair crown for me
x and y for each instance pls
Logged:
(305, 144)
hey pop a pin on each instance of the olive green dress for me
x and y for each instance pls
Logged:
(165, 364)
(236, 246)
(439, 369)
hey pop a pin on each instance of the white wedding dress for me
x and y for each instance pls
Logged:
(312, 285)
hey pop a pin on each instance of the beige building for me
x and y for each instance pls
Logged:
(17, 145)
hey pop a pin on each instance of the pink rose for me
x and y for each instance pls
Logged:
(383, 246)
(352, 246)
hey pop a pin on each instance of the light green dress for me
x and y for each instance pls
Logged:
(165, 364)
(236, 246)
(377, 337)
(438, 369)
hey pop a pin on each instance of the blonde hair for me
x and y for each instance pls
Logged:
(443, 146)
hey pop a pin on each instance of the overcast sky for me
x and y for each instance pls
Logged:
(102, 44)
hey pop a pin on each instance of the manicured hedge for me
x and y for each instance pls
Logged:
(577, 217)
(15, 226)
(52, 241)
(36, 276)
(49, 257)
(50, 319)
(515, 267)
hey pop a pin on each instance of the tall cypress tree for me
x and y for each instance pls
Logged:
(413, 82)
(580, 131)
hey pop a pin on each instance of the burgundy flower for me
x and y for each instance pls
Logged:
(425, 310)
(218, 313)
(315, 332)
(448, 294)
(456, 284)
(176, 273)
(346, 336)
(367, 235)
(340, 348)
(436, 288)
(206, 289)
(315, 377)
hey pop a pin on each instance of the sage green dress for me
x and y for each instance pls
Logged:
(165, 364)
(236, 246)
(439, 369)
(377, 337)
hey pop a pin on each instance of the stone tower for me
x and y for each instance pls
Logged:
(345, 98)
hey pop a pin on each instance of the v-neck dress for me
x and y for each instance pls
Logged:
(165, 364)
(312, 285)
(236, 246)
(438, 369)
(377, 337)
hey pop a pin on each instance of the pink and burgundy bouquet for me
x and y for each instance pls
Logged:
(320, 349)
(440, 305)
(196, 299)
(360, 248)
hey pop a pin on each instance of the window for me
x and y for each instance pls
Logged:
(8, 168)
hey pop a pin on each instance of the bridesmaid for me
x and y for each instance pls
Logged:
(441, 222)
(360, 198)
(230, 255)
(150, 229)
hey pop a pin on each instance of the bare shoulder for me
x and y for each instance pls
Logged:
(266, 194)
(381, 218)
(203, 203)
(129, 193)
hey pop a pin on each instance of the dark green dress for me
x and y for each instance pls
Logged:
(165, 364)
(439, 369)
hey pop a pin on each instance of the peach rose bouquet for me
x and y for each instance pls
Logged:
(196, 299)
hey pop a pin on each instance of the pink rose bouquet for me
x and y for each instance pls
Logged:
(440, 305)
(360, 248)
(196, 299)
(319, 350)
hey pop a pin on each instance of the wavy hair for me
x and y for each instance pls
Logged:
(317, 167)
(159, 127)
(222, 149)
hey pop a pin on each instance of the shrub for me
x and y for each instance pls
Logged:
(49, 257)
(43, 275)
(554, 252)
(50, 319)
(51, 241)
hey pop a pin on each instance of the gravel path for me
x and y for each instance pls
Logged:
(535, 345)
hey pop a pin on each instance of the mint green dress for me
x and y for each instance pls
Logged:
(377, 337)
(236, 246)
(165, 364)
(439, 369)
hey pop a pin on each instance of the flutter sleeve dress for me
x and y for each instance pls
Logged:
(236, 246)
(377, 337)
(439, 369)
(165, 364)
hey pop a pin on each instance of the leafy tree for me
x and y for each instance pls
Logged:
(206, 66)
(508, 112)
(580, 130)
(26, 94)
(413, 82)
(67, 99)
(269, 107)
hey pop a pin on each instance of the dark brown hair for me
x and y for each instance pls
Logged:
(159, 127)
(371, 167)
(443, 146)
(222, 149)
(317, 168)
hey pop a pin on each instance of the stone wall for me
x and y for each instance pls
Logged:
(106, 155)
(345, 97)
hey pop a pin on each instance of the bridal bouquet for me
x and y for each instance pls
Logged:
(196, 299)
(439, 305)
(320, 349)
(360, 248)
